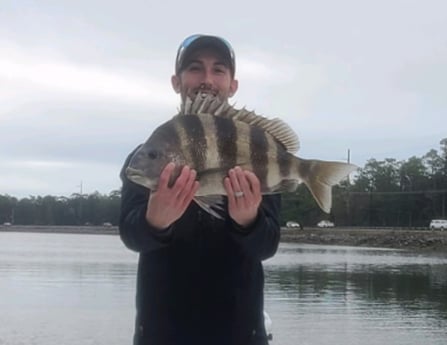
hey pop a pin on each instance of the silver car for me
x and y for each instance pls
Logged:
(438, 224)
(325, 224)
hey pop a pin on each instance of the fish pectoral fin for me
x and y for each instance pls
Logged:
(322, 176)
(213, 204)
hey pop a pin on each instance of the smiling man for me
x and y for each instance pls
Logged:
(205, 64)
(200, 278)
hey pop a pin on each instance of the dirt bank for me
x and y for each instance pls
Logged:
(384, 238)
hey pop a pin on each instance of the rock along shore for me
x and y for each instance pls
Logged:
(424, 240)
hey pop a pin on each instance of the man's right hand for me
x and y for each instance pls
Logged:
(167, 204)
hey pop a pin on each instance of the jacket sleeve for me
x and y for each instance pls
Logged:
(134, 230)
(260, 241)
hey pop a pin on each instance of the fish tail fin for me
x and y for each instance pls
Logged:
(320, 176)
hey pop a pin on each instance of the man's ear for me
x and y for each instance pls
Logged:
(175, 82)
(233, 87)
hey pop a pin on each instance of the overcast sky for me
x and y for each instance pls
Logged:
(83, 82)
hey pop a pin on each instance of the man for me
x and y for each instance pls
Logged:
(200, 279)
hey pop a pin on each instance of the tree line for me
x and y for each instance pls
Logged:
(78, 209)
(384, 193)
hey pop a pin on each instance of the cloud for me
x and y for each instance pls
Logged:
(83, 83)
(25, 74)
(34, 177)
(278, 85)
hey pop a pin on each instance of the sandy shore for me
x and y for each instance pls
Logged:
(424, 240)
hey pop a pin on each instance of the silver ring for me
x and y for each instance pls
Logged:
(238, 194)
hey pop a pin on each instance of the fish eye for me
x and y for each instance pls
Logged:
(153, 154)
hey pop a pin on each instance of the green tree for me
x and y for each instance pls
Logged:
(8, 206)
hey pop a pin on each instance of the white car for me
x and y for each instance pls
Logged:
(325, 224)
(291, 224)
(438, 224)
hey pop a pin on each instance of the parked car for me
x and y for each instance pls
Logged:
(293, 225)
(438, 224)
(325, 224)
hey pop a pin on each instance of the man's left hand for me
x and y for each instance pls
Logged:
(244, 196)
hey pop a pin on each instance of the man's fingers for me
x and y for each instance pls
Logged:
(243, 182)
(165, 175)
(188, 191)
(229, 189)
(254, 181)
(181, 181)
(234, 178)
(188, 198)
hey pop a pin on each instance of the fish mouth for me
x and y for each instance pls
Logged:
(137, 176)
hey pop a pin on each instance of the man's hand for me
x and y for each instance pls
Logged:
(167, 204)
(244, 196)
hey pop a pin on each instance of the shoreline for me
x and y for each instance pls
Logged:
(63, 229)
(406, 239)
(417, 240)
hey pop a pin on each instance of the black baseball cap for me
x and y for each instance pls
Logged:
(198, 41)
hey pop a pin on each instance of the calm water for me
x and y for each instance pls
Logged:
(79, 289)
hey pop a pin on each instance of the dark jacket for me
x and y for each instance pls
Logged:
(201, 281)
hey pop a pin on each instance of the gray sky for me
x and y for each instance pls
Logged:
(83, 82)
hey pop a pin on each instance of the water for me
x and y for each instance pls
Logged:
(344, 295)
(79, 289)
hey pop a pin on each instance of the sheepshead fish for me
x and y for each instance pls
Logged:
(212, 137)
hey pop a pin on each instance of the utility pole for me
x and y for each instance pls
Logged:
(348, 187)
(80, 203)
(443, 205)
(410, 184)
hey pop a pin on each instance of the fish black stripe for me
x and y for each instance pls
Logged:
(196, 144)
(226, 141)
(259, 154)
(168, 132)
(284, 160)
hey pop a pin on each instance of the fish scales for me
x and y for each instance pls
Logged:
(172, 139)
(212, 145)
(284, 160)
(192, 135)
(259, 149)
(226, 137)
(279, 164)
(211, 175)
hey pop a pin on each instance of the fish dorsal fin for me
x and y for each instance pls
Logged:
(212, 105)
(204, 104)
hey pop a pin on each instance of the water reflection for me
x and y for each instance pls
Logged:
(80, 289)
(379, 296)
(378, 275)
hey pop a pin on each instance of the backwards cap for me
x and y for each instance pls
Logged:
(195, 42)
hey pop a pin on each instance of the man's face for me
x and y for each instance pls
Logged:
(205, 72)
